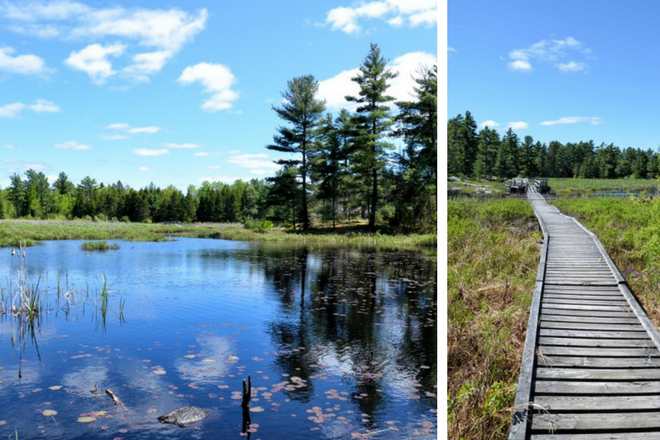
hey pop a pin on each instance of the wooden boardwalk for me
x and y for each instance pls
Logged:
(591, 363)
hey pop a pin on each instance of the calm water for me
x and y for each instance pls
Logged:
(339, 343)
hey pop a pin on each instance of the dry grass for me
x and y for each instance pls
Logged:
(492, 264)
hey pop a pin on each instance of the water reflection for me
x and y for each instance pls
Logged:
(339, 342)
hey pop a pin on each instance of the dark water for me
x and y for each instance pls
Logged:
(339, 343)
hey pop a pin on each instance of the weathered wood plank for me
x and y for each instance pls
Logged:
(599, 436)
(599, 374)
(593, 313)
(589, 326)
(596, 388)
(591, 319)
(551, 350)
(613, 308)
(596, 342)
(568, 333)
(615, 421)
(597, 362)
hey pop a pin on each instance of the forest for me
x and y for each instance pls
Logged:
(344, 168)
(486, 153)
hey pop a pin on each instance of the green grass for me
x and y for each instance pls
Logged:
(588, 187)
(629, 229)
(99, 246)
(493, 254)
(32, 231)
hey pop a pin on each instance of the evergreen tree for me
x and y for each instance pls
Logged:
(303, 112)
(487, 148)
(374, 120)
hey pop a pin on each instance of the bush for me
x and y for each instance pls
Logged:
(99, 246)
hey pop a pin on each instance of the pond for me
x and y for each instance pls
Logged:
(339, 343)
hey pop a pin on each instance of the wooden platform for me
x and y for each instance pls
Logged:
(591, 363)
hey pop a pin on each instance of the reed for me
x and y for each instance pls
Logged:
(99, 246)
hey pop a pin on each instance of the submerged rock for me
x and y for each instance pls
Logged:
(185, 416)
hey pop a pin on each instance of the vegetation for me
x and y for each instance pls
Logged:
(589, 187)
(492, 260)
(344, 170)
(346, 235)
(629, 229)
(485, 153)
(99, 246)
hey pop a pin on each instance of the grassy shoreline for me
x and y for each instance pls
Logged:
(33, 231)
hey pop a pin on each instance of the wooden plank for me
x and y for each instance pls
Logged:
(592, 334)
(596, 342)
(615, 421)
(602, 436)
(596, 388)
(551, 350)
(590, 319)
(597, 362)
(613, 308)
(567, 312)
(550, 296)
(619, 302)
(600, 374)
(589, 326)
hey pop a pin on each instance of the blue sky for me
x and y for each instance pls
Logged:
(181, 92)
(557, 70)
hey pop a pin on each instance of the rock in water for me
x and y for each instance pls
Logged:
(185, 416)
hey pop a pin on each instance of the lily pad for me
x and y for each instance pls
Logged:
(55, 387)
(257, 409)
(49, 412)
(86, 419)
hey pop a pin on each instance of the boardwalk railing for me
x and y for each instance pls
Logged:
(591, 361)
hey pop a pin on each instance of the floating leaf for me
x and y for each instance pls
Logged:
(257, 409)
(55, 387)
(189, 356)
(86, 419)
(209, 361)
(159, 371)
(49, 412)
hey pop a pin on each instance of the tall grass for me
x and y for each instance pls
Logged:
(37, 230)
(588, 187)
(629, 229)
(492, 258)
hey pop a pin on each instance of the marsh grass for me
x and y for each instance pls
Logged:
(493, 254)
(629, 229)
(589, 187)
(99, 246)
(352, 235)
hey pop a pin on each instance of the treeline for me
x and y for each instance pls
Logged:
(344, 168)
(485, 153)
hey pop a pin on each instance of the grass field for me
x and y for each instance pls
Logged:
(32, 231)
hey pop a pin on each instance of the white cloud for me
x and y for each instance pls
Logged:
(113, 137)
(489, 123)
(44, 106)
(222, 178)
(148, 130)
(93, 60)
(550, 51)
(217, 80)
(144, 169)
(201, 154)
(164, 31)
(519, 125)
(571, 67)
(126, 128)
(150, 152)
(40, 106)
(573, 120)
(394, 12)
(11, 110)
(520, 65)
(72, 145)
(187, 146)
(257, 163)
(451, 49)
(335, 89)
(21, 64)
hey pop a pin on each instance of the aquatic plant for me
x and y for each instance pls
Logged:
(99, 246)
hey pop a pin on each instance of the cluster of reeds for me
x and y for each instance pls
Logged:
(492, 260)
(25, 298)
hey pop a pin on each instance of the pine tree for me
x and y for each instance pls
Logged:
(374, 121)
(303, 112)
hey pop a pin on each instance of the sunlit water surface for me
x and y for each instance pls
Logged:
(339, 343)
